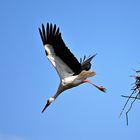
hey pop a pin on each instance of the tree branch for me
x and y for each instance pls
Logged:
(130, 97)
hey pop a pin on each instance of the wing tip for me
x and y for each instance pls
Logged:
(86, 62)
(47, 33)
(41, 35)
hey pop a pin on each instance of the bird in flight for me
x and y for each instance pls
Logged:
(71, 72)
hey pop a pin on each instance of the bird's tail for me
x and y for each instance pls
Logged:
(85, 74)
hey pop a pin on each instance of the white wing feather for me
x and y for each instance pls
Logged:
(62, 69)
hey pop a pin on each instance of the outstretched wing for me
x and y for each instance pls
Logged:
(86, 62)
(60, 56)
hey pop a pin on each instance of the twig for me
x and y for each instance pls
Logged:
(130, 97)
(126, 103)
(130, 108)
(135, 91)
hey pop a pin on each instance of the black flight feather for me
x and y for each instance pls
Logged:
(86, 63)
(53, 37)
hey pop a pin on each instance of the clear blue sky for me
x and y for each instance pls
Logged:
(110, 28)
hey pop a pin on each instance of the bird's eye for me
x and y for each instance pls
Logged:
(64, 83)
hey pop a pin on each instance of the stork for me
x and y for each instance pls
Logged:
(71, 72)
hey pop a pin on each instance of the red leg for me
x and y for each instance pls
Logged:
(98, 87)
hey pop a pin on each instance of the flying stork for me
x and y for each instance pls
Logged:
(71, 72)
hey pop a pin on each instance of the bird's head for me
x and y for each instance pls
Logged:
(49, 101)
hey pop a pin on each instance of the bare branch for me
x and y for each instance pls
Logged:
(134, 95)
(130, 97)
(130, 108)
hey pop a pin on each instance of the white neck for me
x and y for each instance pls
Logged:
(59, 91)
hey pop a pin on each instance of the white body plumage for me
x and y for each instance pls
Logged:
(71, 72)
